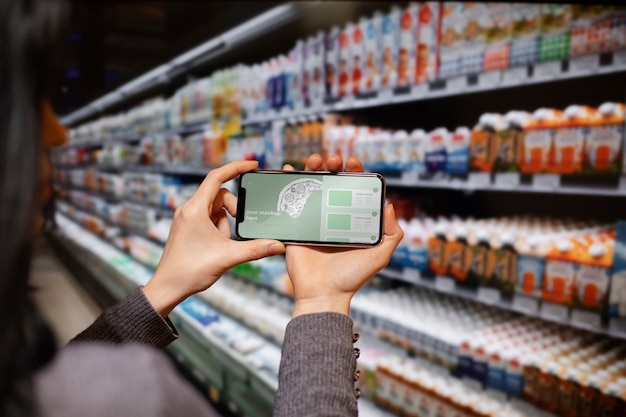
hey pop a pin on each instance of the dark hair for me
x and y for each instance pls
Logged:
(27, 28)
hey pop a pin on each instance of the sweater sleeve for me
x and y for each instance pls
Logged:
(131, 320)
(317, 368)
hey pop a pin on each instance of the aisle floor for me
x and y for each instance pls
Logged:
(65, 305)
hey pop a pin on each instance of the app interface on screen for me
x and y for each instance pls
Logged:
(312, 207)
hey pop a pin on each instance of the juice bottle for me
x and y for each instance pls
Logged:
(427, 42)
(406, 51)
(504, 264)
(390, 27)
(531, 373)
(558, 285)
(357, 57)
(593, 277)
(569, 140)
(435, 150)
(437, 261)
(452, 39)
(396, 160)
(604, 142)
(331, 63)
(345, 60)
(539, 141)
(415, 151)
(476, 258)
(511, 140)
(372, 32)
(549, 386)
(531, 265)
(456, 250)
(384, 379)
(514, 376)
(609, 401)
(484, 142)
(569, 393)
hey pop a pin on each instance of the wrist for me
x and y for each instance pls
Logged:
(162, 301)
(336, 304)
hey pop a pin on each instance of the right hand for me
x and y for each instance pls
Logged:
(325, 279)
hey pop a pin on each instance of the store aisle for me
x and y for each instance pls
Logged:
(63, 302)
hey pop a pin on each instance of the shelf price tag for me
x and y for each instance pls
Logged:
(411, 275)
(479, 179)
(547, 69)
(410, 177)
(516, 75)
(586, 319)
(525, 304)
(445, 284)
(385, 95)
(472, 384)
(419, 90)
(456, 84)
(549, 181)
(490, 79)
(488, 295)
(619, 59)
(618, 326)
(507, 179)
(497, 395)
(622, 184)
(554, 311)
(584, 64)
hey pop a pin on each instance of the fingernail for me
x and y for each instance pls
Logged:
(277, 248)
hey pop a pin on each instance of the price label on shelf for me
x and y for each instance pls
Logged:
(385, 95)
(586, 319)
(550, 69)
(410, 177)
(456, 84)
(516, 75)
(488, 295)
(472, 384)
(411, 275)
(419, 90)
(554, 311)
(525, 304)
(549, 181)
(584, 64)
(479, 179)
(507, 179)
(622, 184)
(497, 395)
(618, 326)
(490, 79)
(445, 284)
(619, 59)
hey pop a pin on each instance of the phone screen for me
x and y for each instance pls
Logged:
(308, 207)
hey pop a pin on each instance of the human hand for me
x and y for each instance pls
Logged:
(199, 249)
(325, 279)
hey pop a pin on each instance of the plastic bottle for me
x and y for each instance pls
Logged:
(395, 159)
(437, 261)
(484, 143)
(477, 258)
(435, 150)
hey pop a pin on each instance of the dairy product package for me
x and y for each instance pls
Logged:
(591, 29)
(539, 141)
(570, 138)
(357, 56)
(511, 141)
(427, 51)
(458, 151)
(498, 37)
(331, 63)
(592, 288)
(407, 44)
(477, 21)
(617, 297)
(605, 140)
(435, 150)
(414, 151)
(618, 30)
(560, 274)
(452, 40)
(390, 30)
(525, 32)
(345, 60)
(484, 142)
(555, 32)
(372, 67)
(395, 158)
(531, 264)
(316, 68)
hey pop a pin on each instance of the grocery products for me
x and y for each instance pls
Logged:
(452, 39)
(427, 54)
(538, 145)
(484, 142)
(498, 37)
(605, 139)
(554, 43)
(407, 45)
(525, 32)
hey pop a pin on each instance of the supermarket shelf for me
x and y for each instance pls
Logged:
(535, 308)
(587, 66)
(489, 183)
(144, 169)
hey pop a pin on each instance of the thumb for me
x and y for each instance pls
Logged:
(245, 251)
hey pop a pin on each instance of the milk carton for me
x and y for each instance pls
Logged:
(407, 45)
(605, 140)
(427, 53)
(457, 151)
(435, 150)
(569, 140)
(415, 151)
(357, 53)
(331, 63)
(498, 37)
(591, 29)
(617, 298)
(345, 60)
(539, 141)
(316, 68)
(372, 68)
(560, 275)
(475, 36)
(525, 32)
(593, 277)
(390, 28)
(555, 32)
(531, 264)
(453, 22)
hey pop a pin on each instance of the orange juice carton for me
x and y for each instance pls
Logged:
(452, 39)
(531, 265)
(593, 277)
(511, 141)
(372, 67)
(560, 273)
(591, 29)
(331, 63)
(357, 53)
(502, 263)
(484, 142)
(498, 37)
(475, 27)
(569, 140)
(604, 144)
(436, 246)
(525, 31)
(390, 29)
(555, 32)
(457, 151)
(539, 140)
(617, 297)
(427, 55)
(407, 43)
(455, 249)
(345, 60)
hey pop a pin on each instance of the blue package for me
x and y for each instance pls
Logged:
(435, 151)
(458, 151)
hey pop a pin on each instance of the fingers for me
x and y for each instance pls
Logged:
(334, 163)
(393, 234)
(314, 163)
(208, 190)
(288, 167)
(354, 165)
(251, 250)
(225, 199)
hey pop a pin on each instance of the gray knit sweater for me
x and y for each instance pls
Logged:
(120, 372)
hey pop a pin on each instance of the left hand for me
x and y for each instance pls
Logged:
(199, 249)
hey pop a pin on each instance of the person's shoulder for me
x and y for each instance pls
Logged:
(109, 380)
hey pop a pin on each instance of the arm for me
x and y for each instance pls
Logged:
(317, 368)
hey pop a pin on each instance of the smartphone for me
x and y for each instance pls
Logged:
(312, 208)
